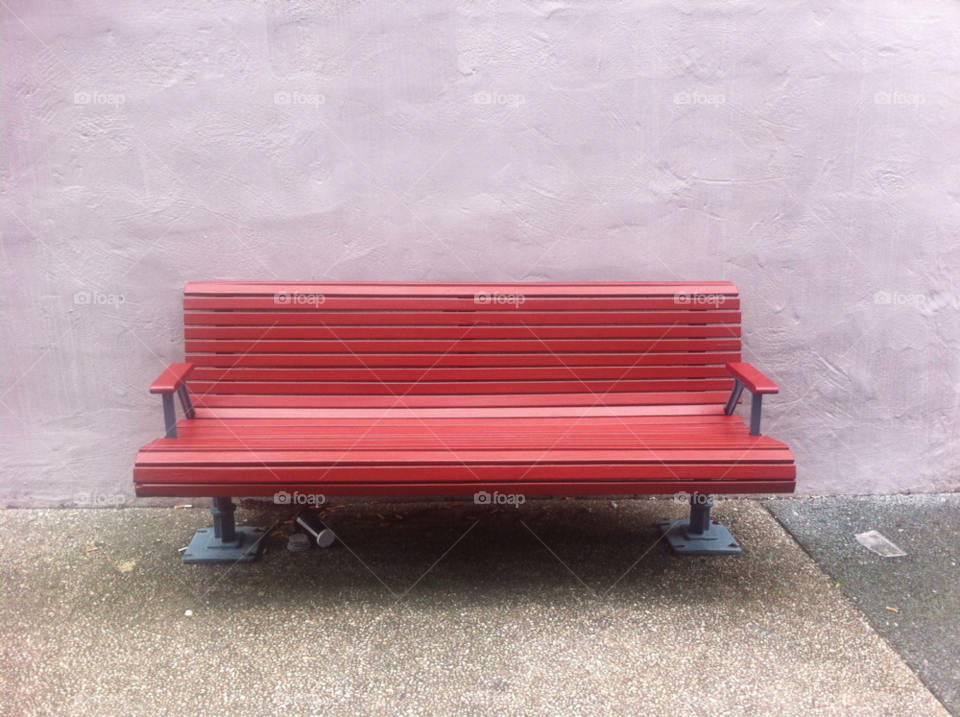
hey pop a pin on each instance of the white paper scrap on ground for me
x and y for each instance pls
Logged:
(872, 540)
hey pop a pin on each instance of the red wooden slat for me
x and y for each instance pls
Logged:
(414, 490)
(638, 434)
(539, 373)
(379, 388)
(453, 359)
(442, 289)
(304, 425)
(437, 319)
(464, 346)
(615, 331)
(665, 398)
(558, 455)
(424, 413)
(490, 431)
(398, 474)
(381, 441)
(437, 440)
(466, 306)
(668, 425)
(335, 418)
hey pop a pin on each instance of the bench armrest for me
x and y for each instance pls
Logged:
(752, 378)
(746, 376)
(172, 378)
(174, 381)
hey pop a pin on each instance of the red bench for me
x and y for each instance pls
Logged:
(449, 389)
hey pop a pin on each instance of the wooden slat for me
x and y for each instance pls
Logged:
(702, 425)
(419, 490)
(464, 346)
(475, 435)
(442, 318)
(468, 457)
(265, 447)
(398, 474)
(491, 432)
(531, 373)
(725, 331)
(534, 307)
(326, 418)
(380, 388)
(455, 289)
(397, 410)
(441, 360)
(501, 418)
(665, 398)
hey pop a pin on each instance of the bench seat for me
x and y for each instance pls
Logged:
(428, 452)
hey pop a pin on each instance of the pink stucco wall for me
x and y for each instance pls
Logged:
(807, 151)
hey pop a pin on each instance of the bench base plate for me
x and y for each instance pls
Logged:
(206, 548)
(716, 540)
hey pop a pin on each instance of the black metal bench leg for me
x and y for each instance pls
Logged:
(226, 542)
(699, 535)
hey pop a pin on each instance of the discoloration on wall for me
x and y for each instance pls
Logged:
(807, 153)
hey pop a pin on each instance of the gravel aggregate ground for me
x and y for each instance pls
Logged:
(558, 608)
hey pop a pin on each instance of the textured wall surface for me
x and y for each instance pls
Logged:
(807, 152)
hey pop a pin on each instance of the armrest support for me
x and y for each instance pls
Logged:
(173, 381)
(746, 376)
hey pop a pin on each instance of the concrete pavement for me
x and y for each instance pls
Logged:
(560, 608)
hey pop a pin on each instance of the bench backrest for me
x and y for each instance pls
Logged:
(262, 344)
